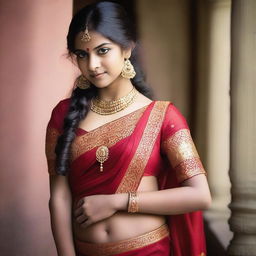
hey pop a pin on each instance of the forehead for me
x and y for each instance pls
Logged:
(96, 40)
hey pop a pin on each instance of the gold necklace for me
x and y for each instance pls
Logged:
(104, 107)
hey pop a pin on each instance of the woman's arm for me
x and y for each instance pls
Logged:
(60, 205)
(193, 195)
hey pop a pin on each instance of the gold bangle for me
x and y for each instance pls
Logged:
(133, 205)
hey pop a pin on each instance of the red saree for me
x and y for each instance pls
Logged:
(153, 140)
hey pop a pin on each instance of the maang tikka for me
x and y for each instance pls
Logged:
(85, 35)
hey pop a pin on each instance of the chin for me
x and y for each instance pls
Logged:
(102, 84)
(106, 81)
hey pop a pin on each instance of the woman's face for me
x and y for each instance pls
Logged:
(100, 60)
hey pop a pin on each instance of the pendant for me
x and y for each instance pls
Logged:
(102, 155)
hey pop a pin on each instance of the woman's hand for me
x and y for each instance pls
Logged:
(92, 209)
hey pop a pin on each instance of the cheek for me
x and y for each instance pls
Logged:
(82, 66)
(115, 62)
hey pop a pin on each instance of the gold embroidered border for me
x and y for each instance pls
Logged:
(188, 169)
(179, 147)
(107, 135)
(52, 135)
(108, 249)
(136, 168)
(183, 156)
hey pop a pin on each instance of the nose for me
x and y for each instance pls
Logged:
(93, 62)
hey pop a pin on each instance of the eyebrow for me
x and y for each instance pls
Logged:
(97, 47)
(100, 46)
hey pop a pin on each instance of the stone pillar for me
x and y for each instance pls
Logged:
(213, 107)
(243, 128)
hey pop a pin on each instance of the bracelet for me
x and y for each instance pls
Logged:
(133, 205)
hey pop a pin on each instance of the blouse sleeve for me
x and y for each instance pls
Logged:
(53, 131)
(178, 146)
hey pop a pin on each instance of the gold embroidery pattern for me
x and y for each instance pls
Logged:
(107, 134)
(108, 249)
(179, 147)
(142, 154)
(52, 135)
(188, 169)
(183, 155)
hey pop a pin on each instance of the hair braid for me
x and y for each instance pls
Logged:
(78, 109)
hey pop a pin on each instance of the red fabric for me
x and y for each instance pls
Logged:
(160, 248)
(85, 178)
(187, 233)
(58, 115)
(187, 230)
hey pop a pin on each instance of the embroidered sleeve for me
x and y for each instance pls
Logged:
(53, 131)
(179, 147)
(52, 135)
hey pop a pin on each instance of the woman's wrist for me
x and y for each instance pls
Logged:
(121, 201)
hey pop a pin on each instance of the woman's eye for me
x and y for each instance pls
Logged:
(103, 51)
(80, 55)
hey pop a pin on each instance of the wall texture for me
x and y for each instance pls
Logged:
(34, 75)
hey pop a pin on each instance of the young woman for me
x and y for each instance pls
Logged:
(125, 177)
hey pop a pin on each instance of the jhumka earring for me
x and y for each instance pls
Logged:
(83, 83)
(128, 70)
(85, 36)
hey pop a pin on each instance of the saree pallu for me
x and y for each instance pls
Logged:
(153, 140)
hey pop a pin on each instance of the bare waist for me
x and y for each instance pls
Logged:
(120, 226)
(113, 248)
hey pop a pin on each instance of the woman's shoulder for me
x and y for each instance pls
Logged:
(166, 104)
(172, 112)
(173, 120)
(62, 104)
(170, 106)
(58, 113)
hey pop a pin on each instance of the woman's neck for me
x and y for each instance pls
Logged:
(115, 90)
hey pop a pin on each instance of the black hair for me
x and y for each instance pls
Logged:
(110, 20)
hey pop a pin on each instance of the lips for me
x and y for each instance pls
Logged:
(98, 75)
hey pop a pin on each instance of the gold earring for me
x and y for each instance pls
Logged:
(128, 70)
(83, 83)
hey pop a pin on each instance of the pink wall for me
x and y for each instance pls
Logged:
(34, 75)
